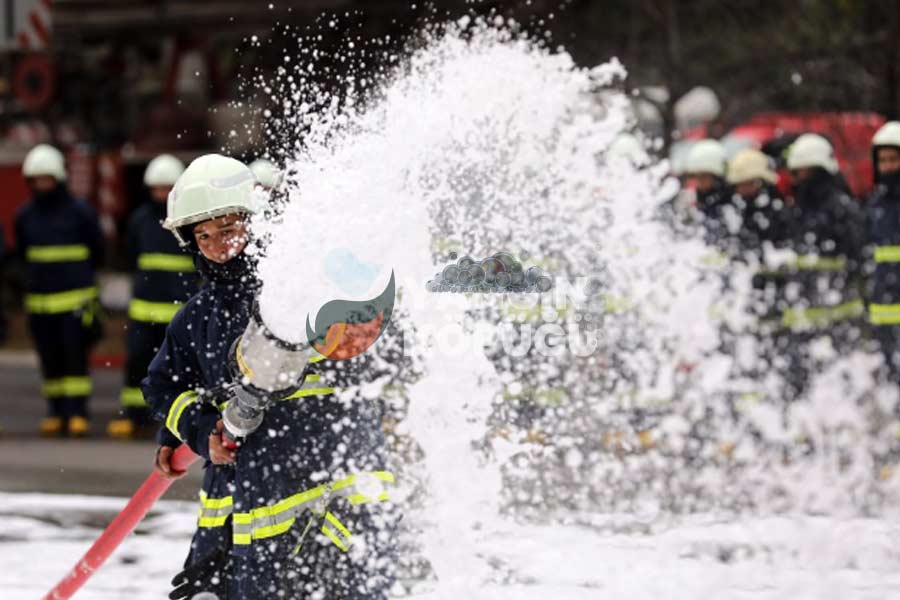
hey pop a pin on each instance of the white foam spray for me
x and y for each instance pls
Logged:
(483, 140)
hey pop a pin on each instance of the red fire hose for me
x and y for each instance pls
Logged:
(124, 523)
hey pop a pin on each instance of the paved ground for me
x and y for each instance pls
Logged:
(96, 465)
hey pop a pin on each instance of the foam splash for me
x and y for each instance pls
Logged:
(483, 140)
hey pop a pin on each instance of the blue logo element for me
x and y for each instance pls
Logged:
(348, 272)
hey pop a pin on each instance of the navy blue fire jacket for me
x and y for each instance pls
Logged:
(164, 273)
(883, 228)
(316, 463)
(60, 240)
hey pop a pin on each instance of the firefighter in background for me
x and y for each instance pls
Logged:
(883, 225)
(60, 241)
(818, 292)
(164, 278)
(705, 167)
(762, 210)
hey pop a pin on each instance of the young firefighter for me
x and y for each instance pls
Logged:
(163, 279)
(59, 239)
(297, 510)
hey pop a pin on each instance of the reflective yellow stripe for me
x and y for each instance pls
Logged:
(132, 397)
(316, 358)
(813, 262)
(241, 522)
(52, 254)
(176, 410)
(302, 393)
(152, 312)
(59, 302)
(207, 502)
(363, 499)
(214, 511)
(269, 521)
(824, 315)
(309, 390)
(336, 523)
(884, 314)
(887, 254)
(68, 386)
(179, 263)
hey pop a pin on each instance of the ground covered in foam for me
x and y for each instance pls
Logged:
(594, 556)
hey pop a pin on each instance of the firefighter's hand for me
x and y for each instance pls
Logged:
(164, 463)
(218, 453)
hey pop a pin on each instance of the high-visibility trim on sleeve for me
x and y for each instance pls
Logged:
(54, 254)
(59, 302)
(887, 254)
(178, 263)
(814, 262)
(884, 314)
(152, 312)
(822, 316)
(177, 409)
(132, 397)
(310, 387)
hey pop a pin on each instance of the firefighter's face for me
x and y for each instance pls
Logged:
(43, 183)
(748, 190)
(799, 175)
(888, 160)
(704, 182)
(160, 193)
(221, 239)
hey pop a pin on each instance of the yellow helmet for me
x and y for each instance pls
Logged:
(750, 164)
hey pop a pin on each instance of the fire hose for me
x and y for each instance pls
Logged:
(266, 368)
(124, 523)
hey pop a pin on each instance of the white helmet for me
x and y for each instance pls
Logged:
(163, 171)
(266, 173)
(44, 160)
(627, 147)
(705, 156)
(887, 135)
(212, 186)
(750, 164)
(811, 150)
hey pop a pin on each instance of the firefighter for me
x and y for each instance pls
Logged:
(883, 224)
(817, 291)
(705, 166)
(60, 241)
(164, 278)
(758, 201)
(283, 515)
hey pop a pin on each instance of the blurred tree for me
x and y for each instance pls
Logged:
(756, 55)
